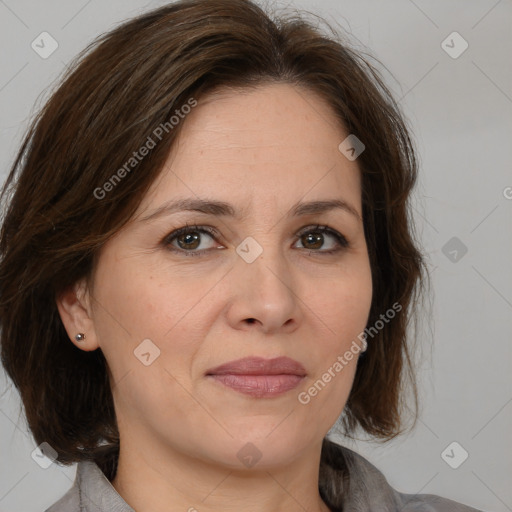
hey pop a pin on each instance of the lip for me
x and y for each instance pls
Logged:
(259, 377)
(260, 366)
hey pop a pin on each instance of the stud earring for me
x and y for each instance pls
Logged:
(365, 345)
(80, 336)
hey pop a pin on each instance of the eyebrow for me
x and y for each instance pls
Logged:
(221, 208)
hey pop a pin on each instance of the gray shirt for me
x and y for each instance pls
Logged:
(368, 491)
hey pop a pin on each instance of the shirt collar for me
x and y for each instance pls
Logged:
(95, 491)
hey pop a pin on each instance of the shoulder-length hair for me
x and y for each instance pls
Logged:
(118, 91)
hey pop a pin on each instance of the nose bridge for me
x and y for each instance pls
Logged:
(264, 256)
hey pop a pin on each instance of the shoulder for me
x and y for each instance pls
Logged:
(432, 503)
(369, 490)
(70, 502)
(91, 492)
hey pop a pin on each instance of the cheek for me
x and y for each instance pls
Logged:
(344, 304)
(139, 303)
(341, 311)
(138, 300)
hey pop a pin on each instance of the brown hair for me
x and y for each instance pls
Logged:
(119, 89)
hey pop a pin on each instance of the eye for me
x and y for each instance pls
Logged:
(314, 239)
(188, 240)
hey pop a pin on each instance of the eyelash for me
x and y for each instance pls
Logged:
(342, 241)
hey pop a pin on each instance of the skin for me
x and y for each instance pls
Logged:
(262, 150)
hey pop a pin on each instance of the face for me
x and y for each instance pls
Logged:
(265, 281)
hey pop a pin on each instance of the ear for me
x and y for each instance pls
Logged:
(75, 311)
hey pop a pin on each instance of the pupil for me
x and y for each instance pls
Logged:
(315, 239)
(189, 239)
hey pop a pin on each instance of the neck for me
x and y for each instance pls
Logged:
(151, 480)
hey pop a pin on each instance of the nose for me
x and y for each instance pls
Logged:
(263, 294)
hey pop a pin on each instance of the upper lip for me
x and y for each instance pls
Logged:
(259, 366)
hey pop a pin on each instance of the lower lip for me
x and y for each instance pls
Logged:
(259, 386)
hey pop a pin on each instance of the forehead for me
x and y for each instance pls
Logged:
(275, 142)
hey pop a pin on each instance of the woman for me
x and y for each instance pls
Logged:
(206, 261)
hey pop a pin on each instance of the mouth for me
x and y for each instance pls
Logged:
(259, 377)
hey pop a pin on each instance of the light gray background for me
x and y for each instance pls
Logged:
(460, 111)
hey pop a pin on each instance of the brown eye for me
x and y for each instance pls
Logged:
(312, 241)
(315, 238)
(190, 240)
